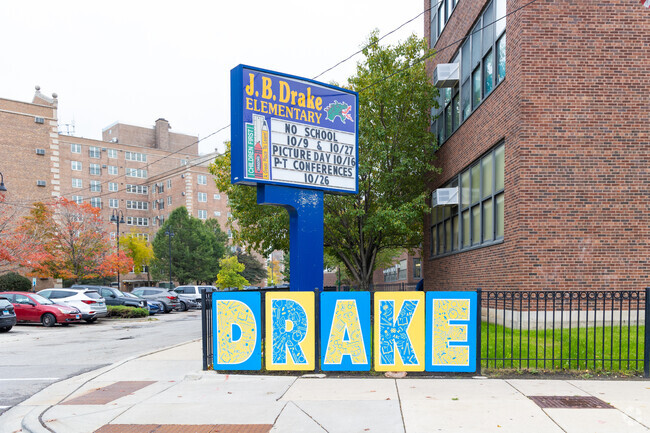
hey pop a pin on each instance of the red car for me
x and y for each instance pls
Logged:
(32, 307)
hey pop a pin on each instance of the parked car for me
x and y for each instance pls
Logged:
(88, 301)
(168, 298)
(192, 292)
(32, 307)
(7, 315)
(114, 296)
(154, 307)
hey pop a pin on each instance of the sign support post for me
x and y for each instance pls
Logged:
(305, 207)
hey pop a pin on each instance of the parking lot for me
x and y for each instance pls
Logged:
(33, 356)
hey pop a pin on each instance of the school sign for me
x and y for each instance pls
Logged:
(413, 331)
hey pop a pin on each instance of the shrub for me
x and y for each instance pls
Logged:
(15, 282)
(124, 312)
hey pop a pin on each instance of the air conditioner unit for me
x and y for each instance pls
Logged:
(444, 197)
(40, 151)
(446, 75)
(40, 183)
(38, 119)
(114, 140)
(103, 165)
(103, 149)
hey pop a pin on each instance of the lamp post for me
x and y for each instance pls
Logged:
(118, 218)
(2, 183)
(170, 234)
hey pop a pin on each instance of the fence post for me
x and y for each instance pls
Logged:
(204, 327)
(478, 331)
(646, 343)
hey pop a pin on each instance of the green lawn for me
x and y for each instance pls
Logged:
(594, 349)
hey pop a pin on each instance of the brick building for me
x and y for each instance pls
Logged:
(546, 136)
(143, 172)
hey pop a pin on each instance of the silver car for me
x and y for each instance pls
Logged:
(192, 292)
(168, 298)
(88, 302)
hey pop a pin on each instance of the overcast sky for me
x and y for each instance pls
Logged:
(136, 61)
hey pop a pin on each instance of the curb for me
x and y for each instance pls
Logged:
(31, 423)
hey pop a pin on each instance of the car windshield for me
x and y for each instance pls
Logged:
(130, 295)
(41, 300)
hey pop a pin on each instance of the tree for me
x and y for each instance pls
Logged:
(13, 245)
(15, 282)
(139, 249)
(254, 271)
(196, 248)
(396, 153)
(69, 240)
(230, 274)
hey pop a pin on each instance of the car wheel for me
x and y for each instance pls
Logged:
(93, 320)
(65, 324)
(6, 329)
(183, 306)
(166, 309)
(48, 320)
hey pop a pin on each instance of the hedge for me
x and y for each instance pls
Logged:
(124, 312)
(15, 282)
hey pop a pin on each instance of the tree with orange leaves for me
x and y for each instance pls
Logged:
(70, 241)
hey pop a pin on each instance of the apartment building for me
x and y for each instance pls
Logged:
(543, 143)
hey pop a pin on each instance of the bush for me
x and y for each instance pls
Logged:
(15, 282)
(124, 312)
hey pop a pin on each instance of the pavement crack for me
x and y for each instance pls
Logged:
(399, 401)
(310, 417)
(287, 390)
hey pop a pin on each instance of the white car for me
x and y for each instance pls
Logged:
(89, 302)
(192, 292)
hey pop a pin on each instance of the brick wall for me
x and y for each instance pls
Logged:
(573, 112)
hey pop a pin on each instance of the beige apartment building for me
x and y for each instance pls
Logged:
(142, 173)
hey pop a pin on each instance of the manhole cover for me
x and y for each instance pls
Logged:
(569, 402)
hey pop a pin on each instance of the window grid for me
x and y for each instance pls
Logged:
(95, 186)
(478, 219)
(201, 179)
(75, 165)
(112, 186)
(112, 153)
(77, 183)
(94, 152)
(113, 203)
(113, 170)
(95, 169)
(137, 189)
(202, 197)
(75, 148)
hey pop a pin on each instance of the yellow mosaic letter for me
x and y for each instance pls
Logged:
(345, 324)
(236, 332)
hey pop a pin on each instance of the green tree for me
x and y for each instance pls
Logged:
(195, 249)
(230, 275)
(396, 153)
(139, 249)
(254, 271)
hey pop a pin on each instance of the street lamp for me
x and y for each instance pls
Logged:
(118, 218)
(2, 183)
(170, 234)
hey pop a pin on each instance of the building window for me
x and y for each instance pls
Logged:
(94, 152)
(169, 200)
(77, 199)
(96, 202)
(482, 64)
(183, 161)
(417, 268)
(229, 215)
(137, 189)
(112, 153)
(77, 183)
(229, 234)
(137, 205)
(95, 169)
(169, 183)
(135, 156)
(75, 148)
(217, 196)
(201, 179)
(203, 214)
(112, 186)
(95, 186)
(112, 169)
(137, 221)
(136, 172)
(75, 165)
(202, 197)
(478, 219)
(217, 213)
(441, 11)
(113, 203)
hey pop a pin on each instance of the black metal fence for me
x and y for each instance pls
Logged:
(379, 287)
(601, 330)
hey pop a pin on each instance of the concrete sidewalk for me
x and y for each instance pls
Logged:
(166, 391)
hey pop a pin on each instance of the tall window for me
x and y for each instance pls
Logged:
(75, 148)
(201, 179)
(96, 202)
(417, 268)
(112, 153)
(203, 214)
(112, 169)
(478, 219)
(203, 197)
(169, 183)
(440, 13)
(113, 203)
(94, 152)
(95, 186)
(77, 183)
(75, 165)
(112, 186)
(482, 62)
(77, 199)
(95, 169)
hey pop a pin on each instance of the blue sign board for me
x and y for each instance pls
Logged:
(291, 131)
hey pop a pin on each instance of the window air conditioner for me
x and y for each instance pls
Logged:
(103, 165)
(446, 75)
(40, 151)
(444, 197)
(40, 183)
